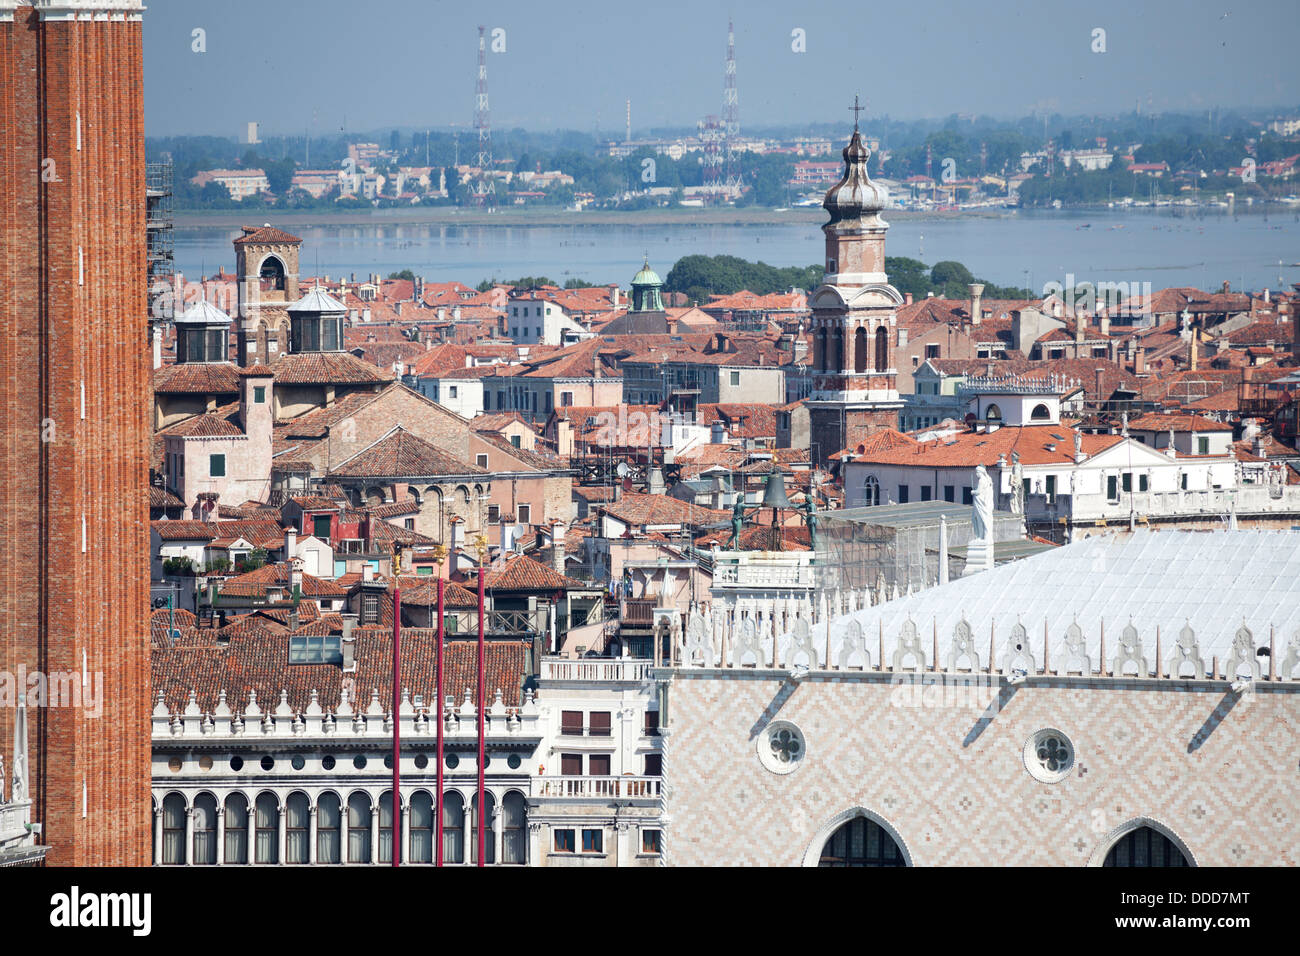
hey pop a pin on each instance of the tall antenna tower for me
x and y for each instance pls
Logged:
(712, 136)
(731, 115)
(627, 138)
(485, 187)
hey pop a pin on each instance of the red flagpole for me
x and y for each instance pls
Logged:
(397, 713)
(438, 772)
(482, 679)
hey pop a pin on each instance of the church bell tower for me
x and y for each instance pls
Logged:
(854, 316)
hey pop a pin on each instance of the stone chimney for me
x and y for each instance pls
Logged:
(976, 302)
(563, 437)
(349, 642)
(1099, 373)
(1105, 322)
(367, 572)
(614, 294)
(290, 542)
(157, 347)
(907, 298)
(557, 545)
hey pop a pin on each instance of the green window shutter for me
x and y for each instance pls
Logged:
(217, 466)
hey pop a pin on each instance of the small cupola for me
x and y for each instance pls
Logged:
(203, 335)
(316, 323)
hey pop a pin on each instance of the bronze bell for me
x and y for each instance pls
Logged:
(774, 494)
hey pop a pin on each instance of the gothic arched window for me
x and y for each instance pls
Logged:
(882, 349)
(820, 356)
(839, 351)
(861, 842)
(872, 491)
(1145, 846)
(1040, 413)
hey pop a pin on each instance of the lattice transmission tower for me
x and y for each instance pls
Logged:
(485, 185)
(731, 117)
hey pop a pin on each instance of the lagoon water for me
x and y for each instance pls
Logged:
(1166, 247)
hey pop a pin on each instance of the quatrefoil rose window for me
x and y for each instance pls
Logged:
(781, 747)
(1049, 756)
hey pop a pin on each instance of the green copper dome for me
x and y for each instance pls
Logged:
(647, 276)
(646, 284)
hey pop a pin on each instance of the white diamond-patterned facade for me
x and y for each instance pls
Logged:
(1101, 688)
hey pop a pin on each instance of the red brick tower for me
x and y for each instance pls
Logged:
(74, 532)
(855, 391)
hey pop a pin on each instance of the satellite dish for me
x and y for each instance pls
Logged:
(623, 470)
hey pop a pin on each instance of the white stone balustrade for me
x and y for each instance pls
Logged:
(597, 788)
(283, 722)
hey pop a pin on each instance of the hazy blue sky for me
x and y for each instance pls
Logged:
(572, 64)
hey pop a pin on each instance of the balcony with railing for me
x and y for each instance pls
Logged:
(627, 670)
(1261, 499)
(781, 573)
(597, 788)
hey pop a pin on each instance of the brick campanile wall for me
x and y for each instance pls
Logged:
(74, 417)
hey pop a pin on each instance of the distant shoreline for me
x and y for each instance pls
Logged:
(448, 216)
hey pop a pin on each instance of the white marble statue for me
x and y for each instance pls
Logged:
(982, 505)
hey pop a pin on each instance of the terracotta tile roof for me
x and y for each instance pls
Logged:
(257, 660)
(422, 591)
(1157, 422)
(1261, 333)
(313, 503)
(522, 573)
(260, 532)
(401, 454)
(385, 355)
(218, 378)
(1035, 444)
(322, 368)
(1226, 401)
(206, 426)
(725, 454)
(162, 498)
(495, 421)
(255, 583)
(886, 440)
(266, 233)
(641, 510)
(531, 459)
(440, 360)
(317, 422)
(184, 530)
(743, 420)
(394, 509)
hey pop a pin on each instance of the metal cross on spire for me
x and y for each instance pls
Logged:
(856, 110)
